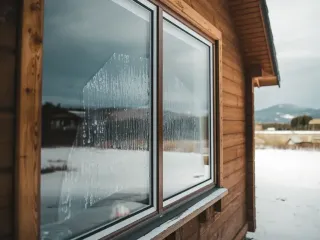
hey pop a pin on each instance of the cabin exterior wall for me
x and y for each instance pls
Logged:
(231, 222)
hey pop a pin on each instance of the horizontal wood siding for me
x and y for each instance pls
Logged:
(8, 23)
(231, 223)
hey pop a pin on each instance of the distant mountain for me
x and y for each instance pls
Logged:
(283, 113)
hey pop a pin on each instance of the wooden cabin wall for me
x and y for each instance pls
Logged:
(8, 24)
(231, 223)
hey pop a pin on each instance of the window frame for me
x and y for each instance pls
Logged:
(209, 183)
(28, 122)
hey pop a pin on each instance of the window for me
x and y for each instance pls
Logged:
(186, 115)
(100, 120)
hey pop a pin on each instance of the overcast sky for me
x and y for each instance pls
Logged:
(296, 30)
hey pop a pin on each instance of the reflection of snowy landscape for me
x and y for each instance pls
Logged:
(287, 195)
(96, 179)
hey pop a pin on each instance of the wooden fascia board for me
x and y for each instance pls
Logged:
(192, 16)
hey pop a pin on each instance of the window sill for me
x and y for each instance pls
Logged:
(163, 226)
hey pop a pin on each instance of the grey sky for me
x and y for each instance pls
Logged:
(295, 25)
(103, 60)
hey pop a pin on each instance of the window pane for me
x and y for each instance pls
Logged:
(186, 97)
(96, 114)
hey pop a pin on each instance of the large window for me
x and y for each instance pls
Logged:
(100, 115)
(186, 108)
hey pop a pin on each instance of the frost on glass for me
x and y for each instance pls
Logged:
(186, 110)
(100, 181)
(117, 129)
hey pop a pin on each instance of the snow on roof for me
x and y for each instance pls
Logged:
(314, 121)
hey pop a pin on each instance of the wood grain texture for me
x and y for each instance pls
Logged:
(202, 14)
(29, 122)
(192, 16)
(242, 233)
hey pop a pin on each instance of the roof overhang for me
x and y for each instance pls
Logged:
(252, 23)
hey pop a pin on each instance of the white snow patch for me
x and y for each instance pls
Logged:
(287, 195)
(289, 132)
(287, 116)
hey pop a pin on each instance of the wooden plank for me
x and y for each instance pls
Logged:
(233, 127)
(234, 178)
(234, 152)
(235, 139)
(246, 11)
(239, 2)
(208, 229)
(232, 226)
(244, 6)
(233, 166)
(246, 17)
(192, 16)
(230, 153)
(230, 100)
(242, 233)
(235, 191)
(27, 225)
(233, 113)
(190, 228)
(233, 88)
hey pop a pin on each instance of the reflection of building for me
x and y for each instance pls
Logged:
(314, 124)
(258, 127)
(65, 120)
(59, 125)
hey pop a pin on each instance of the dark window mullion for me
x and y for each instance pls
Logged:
(160, 111)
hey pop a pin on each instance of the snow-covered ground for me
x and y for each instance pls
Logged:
(287, 195)
(289, 132)
(97, 180)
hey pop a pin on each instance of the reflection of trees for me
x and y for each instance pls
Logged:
(116, 128)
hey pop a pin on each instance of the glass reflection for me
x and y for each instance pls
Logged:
(95, 157)
(186, 110)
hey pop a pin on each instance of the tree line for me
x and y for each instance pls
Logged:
(297, 123)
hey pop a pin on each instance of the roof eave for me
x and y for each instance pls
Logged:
(270, 40)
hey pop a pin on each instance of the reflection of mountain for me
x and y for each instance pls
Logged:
(122, 128)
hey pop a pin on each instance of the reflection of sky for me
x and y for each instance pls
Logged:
(80, 38)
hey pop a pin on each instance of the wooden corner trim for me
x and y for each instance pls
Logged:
(28, 125)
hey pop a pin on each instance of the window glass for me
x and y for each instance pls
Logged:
(186, 113)
(96, 114)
